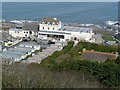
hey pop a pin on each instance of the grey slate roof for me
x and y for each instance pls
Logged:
(31, 26)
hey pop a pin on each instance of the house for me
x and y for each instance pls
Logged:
(51, 28)
(24, 30)
(52, 24)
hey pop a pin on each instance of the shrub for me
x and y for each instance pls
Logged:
(118, 60)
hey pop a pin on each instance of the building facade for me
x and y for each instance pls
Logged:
(26, 30)
(51, 28)
(50, 24)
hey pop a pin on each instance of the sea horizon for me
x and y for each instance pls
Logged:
(67, 12)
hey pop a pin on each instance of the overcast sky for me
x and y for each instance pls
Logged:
(59, 0)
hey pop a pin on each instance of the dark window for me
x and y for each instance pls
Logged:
(75, 38)
(43, 27)
(48, 28)
(53, 28)
(18, 27)
(30, 32)
(48, 35)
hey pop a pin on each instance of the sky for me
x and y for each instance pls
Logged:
(59, 0)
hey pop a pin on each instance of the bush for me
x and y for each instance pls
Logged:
(107, 73)
(68, 47)
(52, 58)
(118, 60)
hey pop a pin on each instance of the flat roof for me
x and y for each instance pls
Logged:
(14, 52)
(10, 55)
(78, 29)
(21, 49)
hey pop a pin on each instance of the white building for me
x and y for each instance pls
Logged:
(50, 24)
(26, 30)
(50, 28)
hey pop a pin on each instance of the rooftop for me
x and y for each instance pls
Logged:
(97, 56)
(78, 29)
(31, 26)
(50, 20)
(27, 26)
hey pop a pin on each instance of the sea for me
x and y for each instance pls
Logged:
(67, 12)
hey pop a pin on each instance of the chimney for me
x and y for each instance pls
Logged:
(55, 19)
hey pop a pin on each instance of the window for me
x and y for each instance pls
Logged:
(53, 28)
(48, 28)
(18, 27)
(43, 28)
(75, 38)
(30, 32)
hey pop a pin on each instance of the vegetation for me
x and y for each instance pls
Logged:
(66, 69)
(107, 73)
(9, 44)
(118, 60)
(108, 38)
(50, 59)
(37, 51)
(28, 56)
(33, 76)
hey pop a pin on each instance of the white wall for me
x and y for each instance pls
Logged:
(80, 36)
(42, 36)
(67, 37)
(20, 33)
(46, 26)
